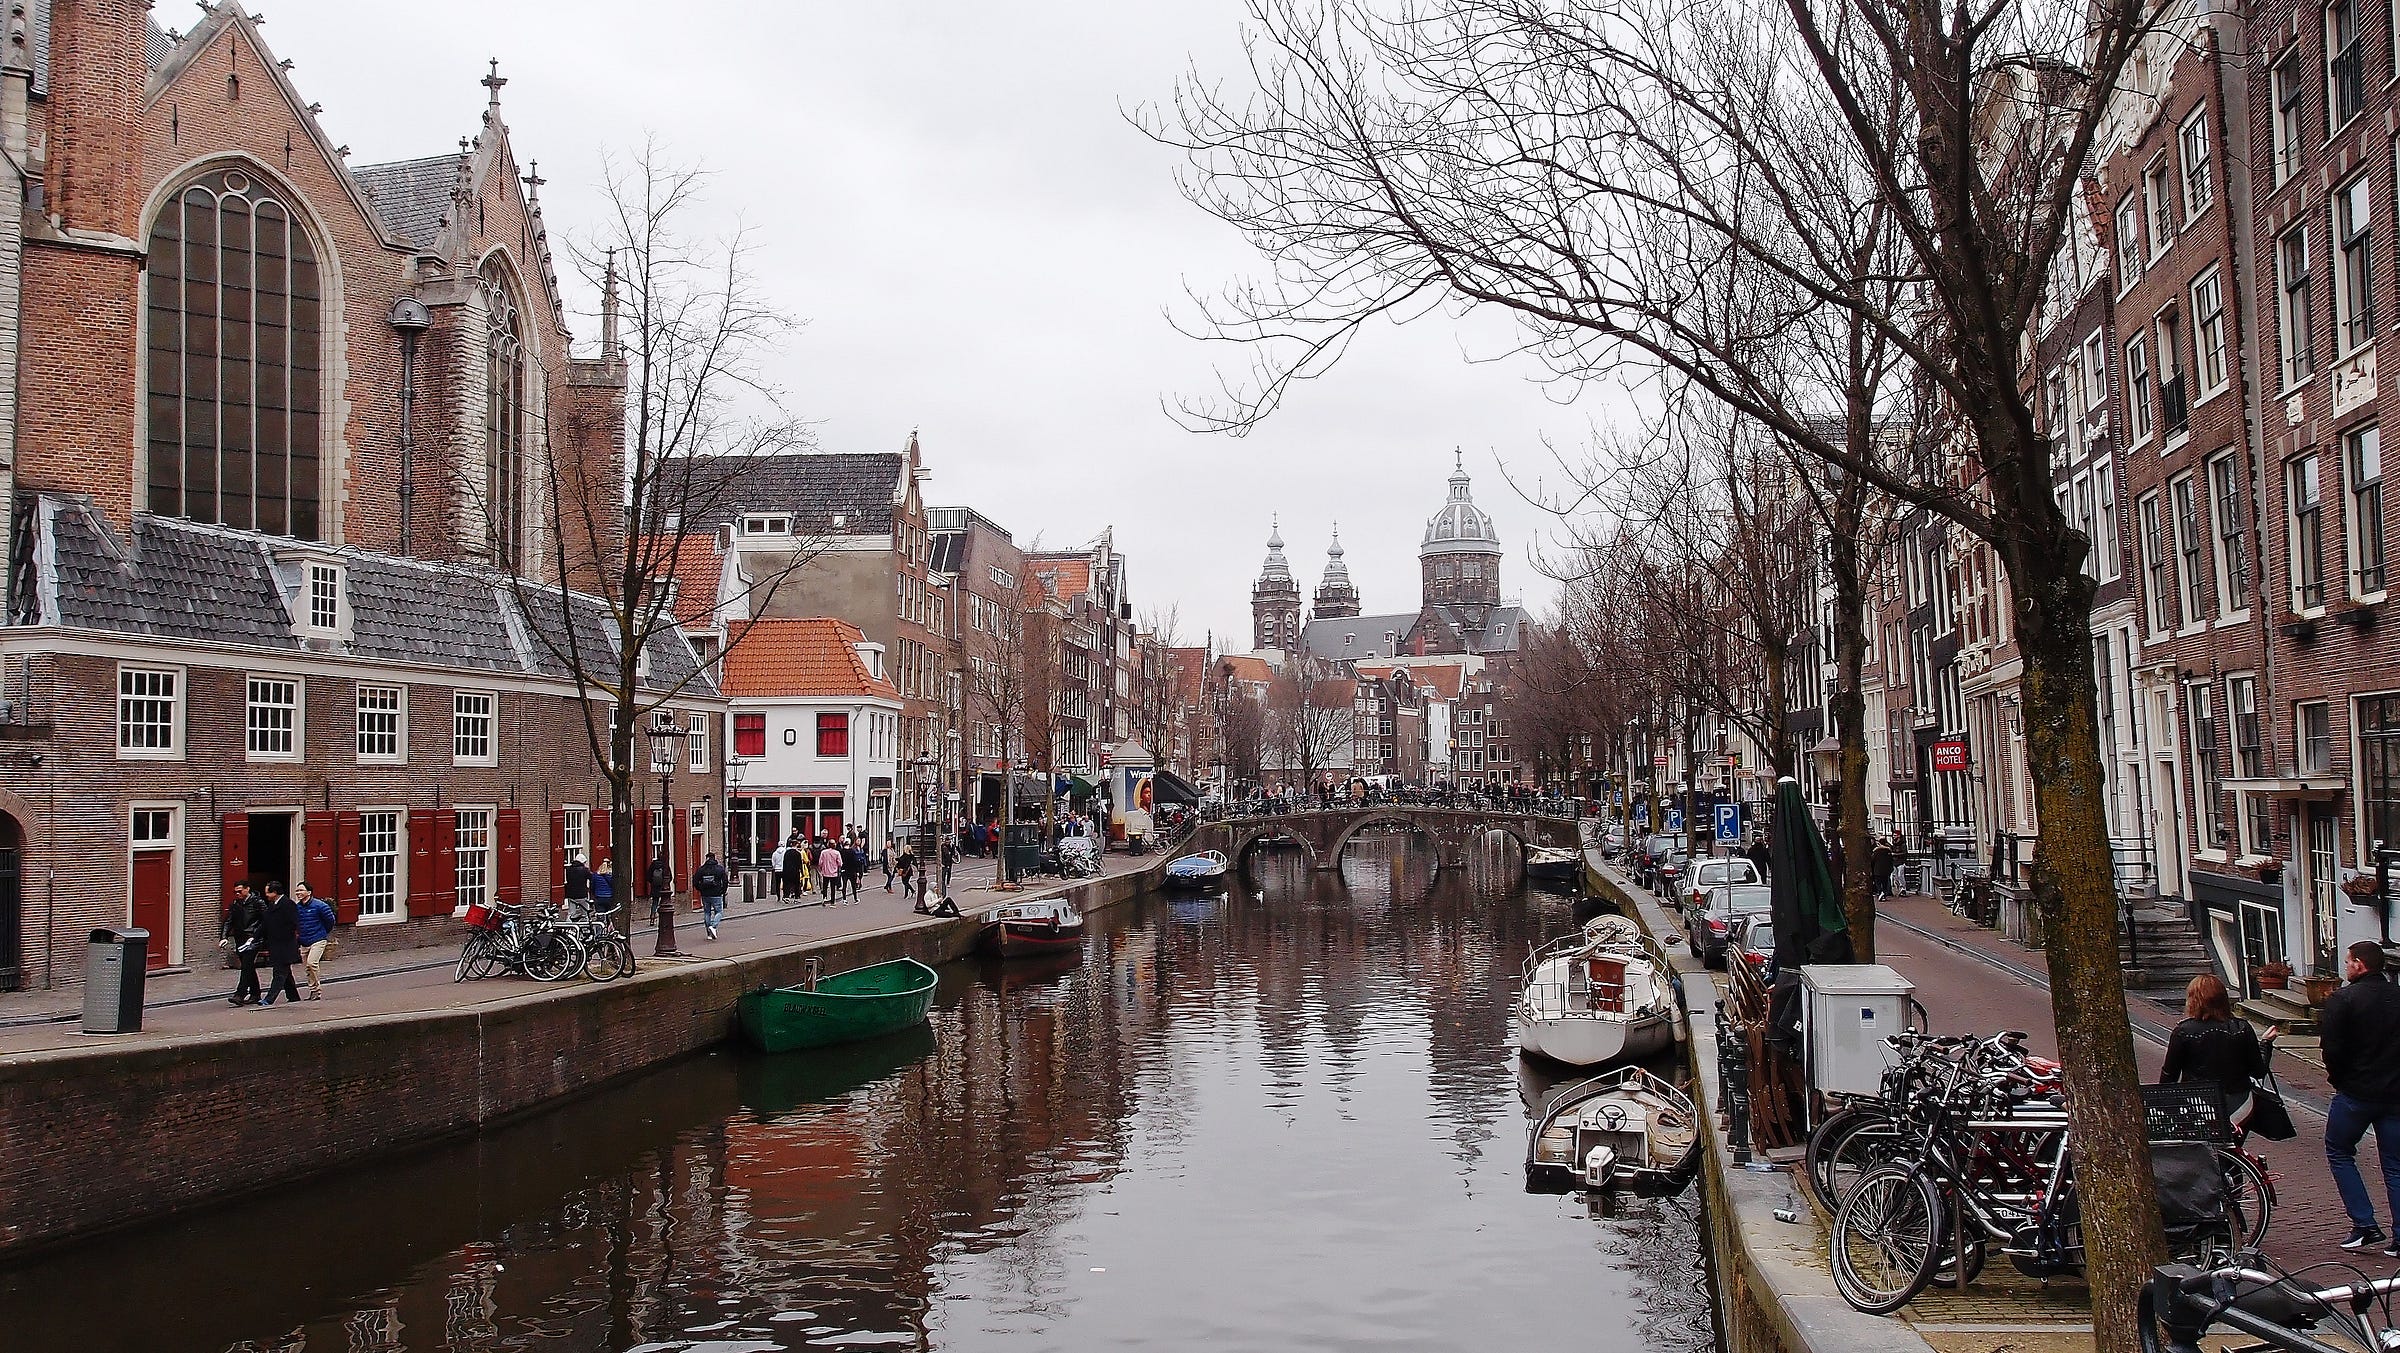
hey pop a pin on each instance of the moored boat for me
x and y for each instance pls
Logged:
(1204, 870)
(1552, 865)
(1619, 1127)
(1045, 926)
(864, 1002)
(1596, 997)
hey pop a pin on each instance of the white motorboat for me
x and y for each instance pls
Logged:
(1622, 1126)
(1596, 997)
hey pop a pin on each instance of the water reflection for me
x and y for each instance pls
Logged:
(1289, 1117)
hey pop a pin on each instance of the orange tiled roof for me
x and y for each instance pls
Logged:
(808, 657)
(1073, 573)
(1244, 667)
(697, 568)
(1445, 679)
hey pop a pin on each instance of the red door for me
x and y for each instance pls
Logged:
(154, 900)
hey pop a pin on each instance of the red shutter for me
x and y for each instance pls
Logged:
(425, 867)
(679, 844)
(445, 864)
(603, 845)
(320, 868)
(345, 855)
(558, 854)
(235, 835)
(507, 857)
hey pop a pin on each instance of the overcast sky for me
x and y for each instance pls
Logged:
(982, 248)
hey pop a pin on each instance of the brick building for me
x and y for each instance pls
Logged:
(278, 594)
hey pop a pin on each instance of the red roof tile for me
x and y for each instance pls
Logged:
(697, 567)
(812, 657)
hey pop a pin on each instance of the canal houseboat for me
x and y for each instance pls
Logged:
(1595, 998)
(1625, 1126)
(1047, 925)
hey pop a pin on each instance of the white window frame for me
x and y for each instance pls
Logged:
(461, 717)
(2288, 116)
(293, 732)
(2350, 211)
(695, 738)
(769, 524)
(2305, 466)
(2355, 535)
(170, 692)
(575, 831)
(2139, 415)
(2129, 241)
(322, 596)
(2158, 205)
(2192, 547)
(2229, 524)
(474, 854)
(2295, 310)
(2112, 546)
(399, 867)
(398, 756)
(2209, 345)
(2199, 170)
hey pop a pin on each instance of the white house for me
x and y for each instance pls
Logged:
(816, 734)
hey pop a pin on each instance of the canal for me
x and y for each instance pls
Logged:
(1290, 1118)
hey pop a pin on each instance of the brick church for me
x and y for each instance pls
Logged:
(283, 430)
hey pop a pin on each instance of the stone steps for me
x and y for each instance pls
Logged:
(2169, 955)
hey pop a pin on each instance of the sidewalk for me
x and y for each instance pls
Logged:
(1973, 980)
(184, 1004)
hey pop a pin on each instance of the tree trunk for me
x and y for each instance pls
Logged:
(2074, 881)
(629, 866)
(1775, 657)
(1849, 723)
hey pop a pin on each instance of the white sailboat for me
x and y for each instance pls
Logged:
(1596, 997)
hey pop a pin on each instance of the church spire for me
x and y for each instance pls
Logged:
(1337, 596)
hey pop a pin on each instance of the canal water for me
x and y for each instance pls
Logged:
(1291, 1118)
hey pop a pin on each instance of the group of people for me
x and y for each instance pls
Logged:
(834, 865)
(282, 930)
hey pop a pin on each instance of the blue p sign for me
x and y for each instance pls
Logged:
(1729, 822)
(1674, 820)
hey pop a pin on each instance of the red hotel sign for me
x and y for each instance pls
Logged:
(1950, 754)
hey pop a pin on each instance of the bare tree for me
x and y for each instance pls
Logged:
(1159, 688)
(1241, 734)
(1312, 720)
(1587, 168)
(684, 331)
(1007, 681)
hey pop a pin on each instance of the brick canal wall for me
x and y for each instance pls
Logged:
(1774, 1293)
(92, 1139)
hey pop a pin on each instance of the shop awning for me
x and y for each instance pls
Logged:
(1168, 787)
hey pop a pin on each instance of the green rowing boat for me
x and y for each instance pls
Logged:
(843, 1008)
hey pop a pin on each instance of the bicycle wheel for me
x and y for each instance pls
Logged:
(473, 958)
(1846, 1145)
(608, 957)
(552, 956)
(2249, 1200)
(1887, 1239)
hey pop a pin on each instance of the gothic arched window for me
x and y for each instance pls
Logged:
(235, 362)
(503, 420)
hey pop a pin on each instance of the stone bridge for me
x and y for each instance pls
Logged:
(1326, 833)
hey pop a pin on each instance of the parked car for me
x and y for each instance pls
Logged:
(1714, 873)
(1754, 940)
(1612, 843)
(1646, 858)
(1710, 926)
(1671, 871)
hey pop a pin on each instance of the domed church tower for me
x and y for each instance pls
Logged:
(1275, 600)
(1460, 555)
(1336, 598)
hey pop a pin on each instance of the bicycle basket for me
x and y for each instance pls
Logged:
(2185, 1113)
(482, 917)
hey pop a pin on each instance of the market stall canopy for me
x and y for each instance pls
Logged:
(1168, 787)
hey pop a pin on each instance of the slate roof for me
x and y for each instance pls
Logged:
(412, 197)
(814, 486)
(181, 581)
(1499, 633)
(1323, 638)
(815, 656)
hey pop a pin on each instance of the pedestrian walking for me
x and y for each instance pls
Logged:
(2359, 1035)
(604, 888)
(1880, 863)
(2212, 1046)
(282, 943)
(243, 934)
(711, 881)
(316, 932)
(949, 858)
(578, 883)
(662, 885)
(889, 861)
(854, 869)
(829, 869)
(907, 865)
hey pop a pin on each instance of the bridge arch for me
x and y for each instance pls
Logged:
(1446, 827)
(1246, 844)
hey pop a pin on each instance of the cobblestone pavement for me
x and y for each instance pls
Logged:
(194, 1003)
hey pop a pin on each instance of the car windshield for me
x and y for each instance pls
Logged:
(1728, 871)
(1746, 899)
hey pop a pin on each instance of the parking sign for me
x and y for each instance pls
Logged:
(1729, 822)
(1674, 820)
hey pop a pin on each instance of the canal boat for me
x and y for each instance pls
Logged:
(1194, 873)
(1596, 997)
(1548, 864)
(1625, 1126)
(846, 1007)
(1047, 925)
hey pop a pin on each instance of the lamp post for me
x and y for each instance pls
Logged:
(666, 744)
(925, 852)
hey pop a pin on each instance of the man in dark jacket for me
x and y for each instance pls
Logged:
(711, 880)
(282, 943)
(661, 882)
(244, 932)
(579, 881)
(2360, 1032)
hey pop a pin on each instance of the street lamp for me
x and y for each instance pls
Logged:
(666, 744)
(925, 855)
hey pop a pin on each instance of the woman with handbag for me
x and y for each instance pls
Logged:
(2213, 1046)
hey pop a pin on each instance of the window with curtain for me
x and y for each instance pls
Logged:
(234, 365)
(504, 419)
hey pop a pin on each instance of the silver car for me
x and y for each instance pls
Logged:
(1711, 926)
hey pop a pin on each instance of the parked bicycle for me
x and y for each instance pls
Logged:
(542, 942)
(2249, 1293)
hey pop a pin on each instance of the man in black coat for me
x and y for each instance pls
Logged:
(282, 942)
(579, 881)
(244, 931)
(711, 880)
(2359, 1034)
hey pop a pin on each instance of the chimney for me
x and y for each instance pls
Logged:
(99, 60)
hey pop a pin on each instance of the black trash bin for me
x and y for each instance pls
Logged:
(114, 967)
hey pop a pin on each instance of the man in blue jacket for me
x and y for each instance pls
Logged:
(316, 928)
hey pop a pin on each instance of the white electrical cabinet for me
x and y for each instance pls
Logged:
(1846, 1011)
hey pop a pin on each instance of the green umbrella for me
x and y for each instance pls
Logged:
(1806, 906)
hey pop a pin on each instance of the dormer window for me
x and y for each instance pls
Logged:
(325, 599)
(840, 520)
(771, 524)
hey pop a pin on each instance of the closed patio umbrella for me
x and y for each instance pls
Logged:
(1809, 926)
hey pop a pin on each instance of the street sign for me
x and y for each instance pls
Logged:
(1729, 822)
(1662, 759)
(1950, 754)
(1674, 821)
